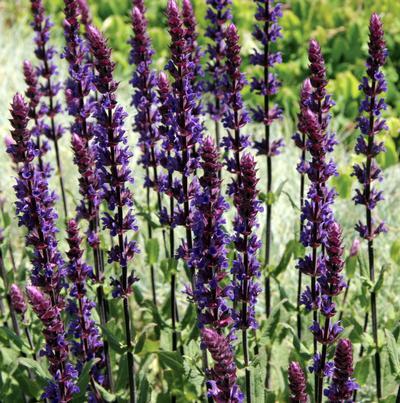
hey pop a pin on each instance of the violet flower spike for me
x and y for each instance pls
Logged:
(246, 267)
(342, 385)
(17, 299)
(49, 87)
(147, 117)
(35, 210)
(297, 383)
(371, 123)
(222, 386)
(209, 253)
(113, 156)
(86, 343)
(219, 16)
(186, 130)
(33, 94)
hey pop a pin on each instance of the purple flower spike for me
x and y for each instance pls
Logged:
(266, 32)
(84, 10)
(115, 177)
(17, 299)
(246, 267)
(191, 35)
(209, 254)
(222, 386)
(80, 106)
(145, 99)
(297, 383)
(56, 347)
(35, 210)
(370, 124)
(219, 16)
(342, 385)
(86, 344)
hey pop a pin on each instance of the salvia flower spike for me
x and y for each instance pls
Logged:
(299, 139)
(342, 384)
(147, 117)
(370, 124)
(113, 156)
(35, 210)
(86, 343)
(49, 86)
(297, 383)
(222, 377)
(219, 16)
(17, 299)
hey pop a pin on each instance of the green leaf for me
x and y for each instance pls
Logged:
(34, 366)
(393, 353)
(140, 343)
(172, 360)
(268, 331)
(379, 283)
(290, 248)
(258, 371)
(144, 395)
(115, 344)
(395, 251)
(351, 265)
(152, 251)
(105, 394)
(361, 371)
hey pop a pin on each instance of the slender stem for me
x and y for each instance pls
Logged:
(323, 360)
(244, 322)
(371, 259)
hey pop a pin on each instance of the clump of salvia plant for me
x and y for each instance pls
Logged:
(371, 124)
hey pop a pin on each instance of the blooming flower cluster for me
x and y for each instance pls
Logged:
(86, 343)
(80, 106)
(342, 385)
(219, 15)
(222, 386)
(320, 231)
(371, 124)
(209, 260)
(145, 100)
(297, 383)
(17, 299)
(113, 156)
(185, 130)
(266, 32)
(35, 210)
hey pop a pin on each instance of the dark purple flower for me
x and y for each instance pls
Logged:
(297, 383)
(266, 32)
(56, 351)
(17, 299)
(145, 99)
(342, 385)
(236, 116)
(35, 210)
(113, 156)
(86, 343)
(246, 267)
(219, 15)
(370, 123)
(84, 10)
(47, 69)
(209, 253)
(222, 386)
